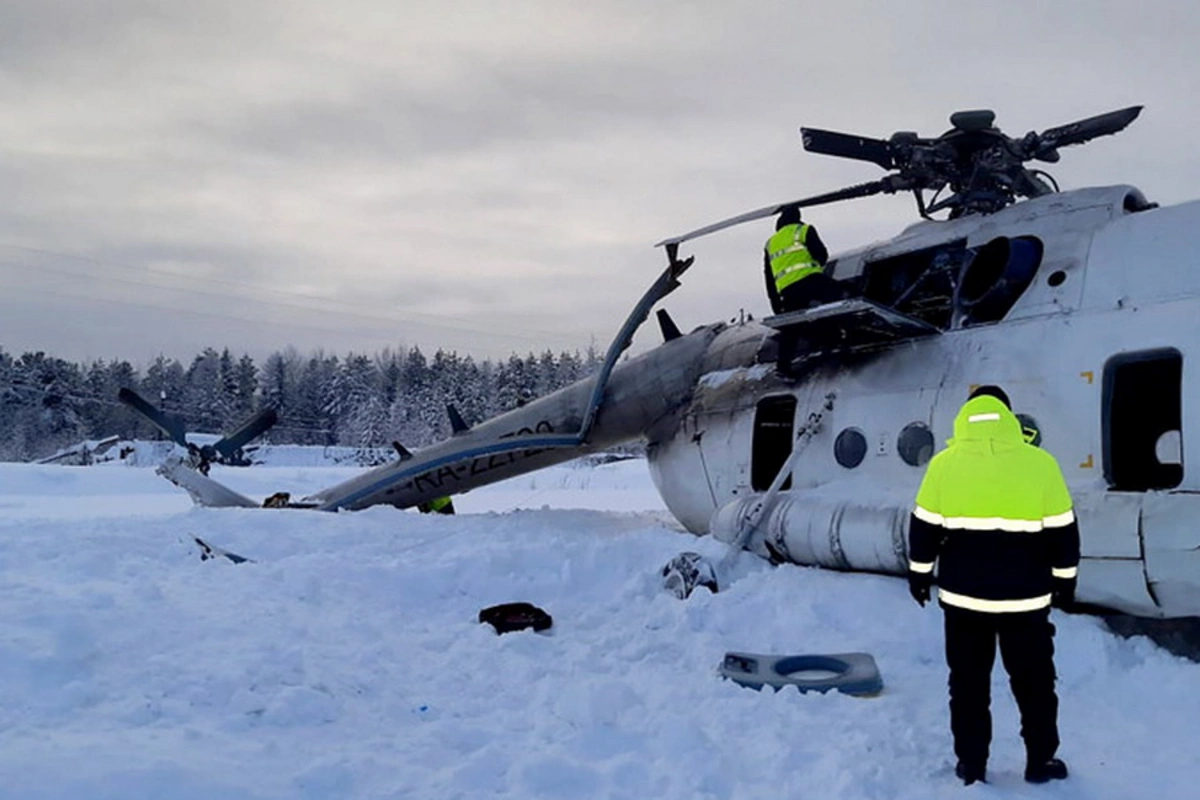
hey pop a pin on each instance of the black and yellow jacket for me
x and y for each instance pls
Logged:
(995, 515)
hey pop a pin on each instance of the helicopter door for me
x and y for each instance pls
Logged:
(774, 422)
(1142, 420)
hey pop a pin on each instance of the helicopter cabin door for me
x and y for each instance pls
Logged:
(1142, 420)
(774, 431)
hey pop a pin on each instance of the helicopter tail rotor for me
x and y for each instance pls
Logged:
(227, 449)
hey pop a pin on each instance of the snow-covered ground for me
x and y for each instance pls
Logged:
(346, 662)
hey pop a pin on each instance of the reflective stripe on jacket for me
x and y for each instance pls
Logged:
(995, 514)
(790, 259)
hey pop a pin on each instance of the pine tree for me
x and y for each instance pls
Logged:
(245, 376)
(280, 391)
(362, 402)
(204, 405)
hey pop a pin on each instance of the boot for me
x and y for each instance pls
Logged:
(1053, 770)
(968, 774)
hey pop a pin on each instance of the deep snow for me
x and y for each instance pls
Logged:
(347, 661)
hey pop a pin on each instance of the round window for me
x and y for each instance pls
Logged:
(850, 448)
(915, 444)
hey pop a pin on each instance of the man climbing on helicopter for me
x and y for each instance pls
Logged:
(794, 267)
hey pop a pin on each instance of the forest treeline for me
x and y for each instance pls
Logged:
(356, 400)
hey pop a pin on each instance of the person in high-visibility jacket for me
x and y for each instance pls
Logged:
(438, 505)
(794, 265)
(995, 516)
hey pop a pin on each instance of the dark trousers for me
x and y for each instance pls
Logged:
(1027, 650)
(813, 290)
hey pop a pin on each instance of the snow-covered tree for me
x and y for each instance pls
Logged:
(245, 378)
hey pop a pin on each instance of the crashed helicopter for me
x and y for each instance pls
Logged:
(1083, 304)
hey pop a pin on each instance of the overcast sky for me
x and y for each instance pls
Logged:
(491, 176)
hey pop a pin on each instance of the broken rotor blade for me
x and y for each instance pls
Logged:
(850, 192)
(1087, 129)
(847, 145)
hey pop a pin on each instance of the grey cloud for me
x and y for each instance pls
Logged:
(490, 176)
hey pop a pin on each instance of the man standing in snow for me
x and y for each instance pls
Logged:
(995, 514)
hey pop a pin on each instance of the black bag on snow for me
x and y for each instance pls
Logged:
(508, 617)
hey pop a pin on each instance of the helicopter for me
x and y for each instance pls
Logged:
(1083, 304)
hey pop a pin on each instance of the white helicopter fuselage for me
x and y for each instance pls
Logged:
(1095, 349)
(1083, 305)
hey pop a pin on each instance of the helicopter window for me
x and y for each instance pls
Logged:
(1056, 278)
(850, 448)
(998, 274)
(772, 444)
(1030, 429)
(1142, 420)
(920, 283)
(915, 444)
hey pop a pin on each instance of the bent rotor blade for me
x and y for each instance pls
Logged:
(850, 192)
(254, 427)
(1087, 129)
(846, 145)
(173, 428)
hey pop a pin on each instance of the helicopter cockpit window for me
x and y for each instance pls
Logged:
(919, 284)
(1142, 420)
(774, 422)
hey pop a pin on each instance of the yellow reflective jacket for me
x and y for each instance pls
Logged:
(440, 505)
(995, 514)
(789, 256)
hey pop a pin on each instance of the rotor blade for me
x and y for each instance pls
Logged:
(254, 427)
(1087, 129)
(173, 428)
(846, 145)
(850, 192)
